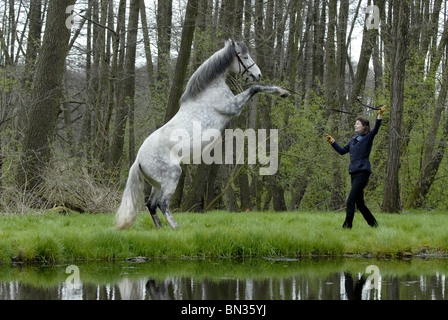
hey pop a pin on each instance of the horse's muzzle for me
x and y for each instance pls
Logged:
(256, 77)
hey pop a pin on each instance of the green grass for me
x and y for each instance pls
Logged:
(53, 237)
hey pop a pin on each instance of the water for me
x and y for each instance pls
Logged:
(226, 279)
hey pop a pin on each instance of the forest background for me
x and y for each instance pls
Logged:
(84, 83)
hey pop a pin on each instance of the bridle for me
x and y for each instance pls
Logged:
(241, 64)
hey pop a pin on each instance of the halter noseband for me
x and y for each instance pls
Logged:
(246, 69)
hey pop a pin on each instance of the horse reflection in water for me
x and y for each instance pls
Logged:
(151, 289)
(208, 100)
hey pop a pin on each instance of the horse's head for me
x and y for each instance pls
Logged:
(243, 64)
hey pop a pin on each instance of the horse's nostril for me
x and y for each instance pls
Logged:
(256, 77)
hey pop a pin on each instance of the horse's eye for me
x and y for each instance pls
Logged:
(246, 58)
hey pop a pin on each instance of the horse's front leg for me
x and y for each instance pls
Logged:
(272, 89)
(247, 94)
(244, 97)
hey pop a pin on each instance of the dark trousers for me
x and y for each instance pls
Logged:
(356, 197)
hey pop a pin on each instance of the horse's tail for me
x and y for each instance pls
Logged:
(133, 196)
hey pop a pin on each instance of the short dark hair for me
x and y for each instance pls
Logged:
(365, 123)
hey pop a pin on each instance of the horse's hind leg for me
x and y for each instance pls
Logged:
(165, 207)
(164, 181)
(152, 206)
(168, 187)
(155, 217)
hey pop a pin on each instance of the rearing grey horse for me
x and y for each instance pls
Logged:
(208, 100)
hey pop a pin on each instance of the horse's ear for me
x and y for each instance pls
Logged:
(232, 42)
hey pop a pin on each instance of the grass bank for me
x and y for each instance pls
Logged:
(53, 237)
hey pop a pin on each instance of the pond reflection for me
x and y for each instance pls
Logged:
(343, 279)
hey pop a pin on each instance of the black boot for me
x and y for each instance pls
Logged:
(347, 224)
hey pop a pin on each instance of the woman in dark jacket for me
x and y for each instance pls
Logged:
(360, 169)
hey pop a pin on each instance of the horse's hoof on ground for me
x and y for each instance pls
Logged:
(121, 226)
(174, 224)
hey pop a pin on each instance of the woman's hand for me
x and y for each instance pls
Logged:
(380, 113)
(329, 138)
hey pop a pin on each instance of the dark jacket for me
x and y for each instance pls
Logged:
(359, 148)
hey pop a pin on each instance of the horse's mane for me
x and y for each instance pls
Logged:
(210, 69)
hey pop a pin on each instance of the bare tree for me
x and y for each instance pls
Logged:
(46, 95)
(164, 17)
(149, 64)
(183, 59)
(125, 103)
(391, 196)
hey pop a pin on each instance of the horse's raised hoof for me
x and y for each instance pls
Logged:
(283, 93)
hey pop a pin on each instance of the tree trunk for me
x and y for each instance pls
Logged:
(33, 42)
(46, 95)
(164, 15)
(308, 50)
(114, 82)
(125, 103)
(99, 132)
(259, 34)
(341, 57)
(149, 65)
(195, 199)
(391, 196)
(183, 59)
(179, 80)
(32, 49)
(368, 42)
(318, 49)
(231, 202)
(337, 197)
